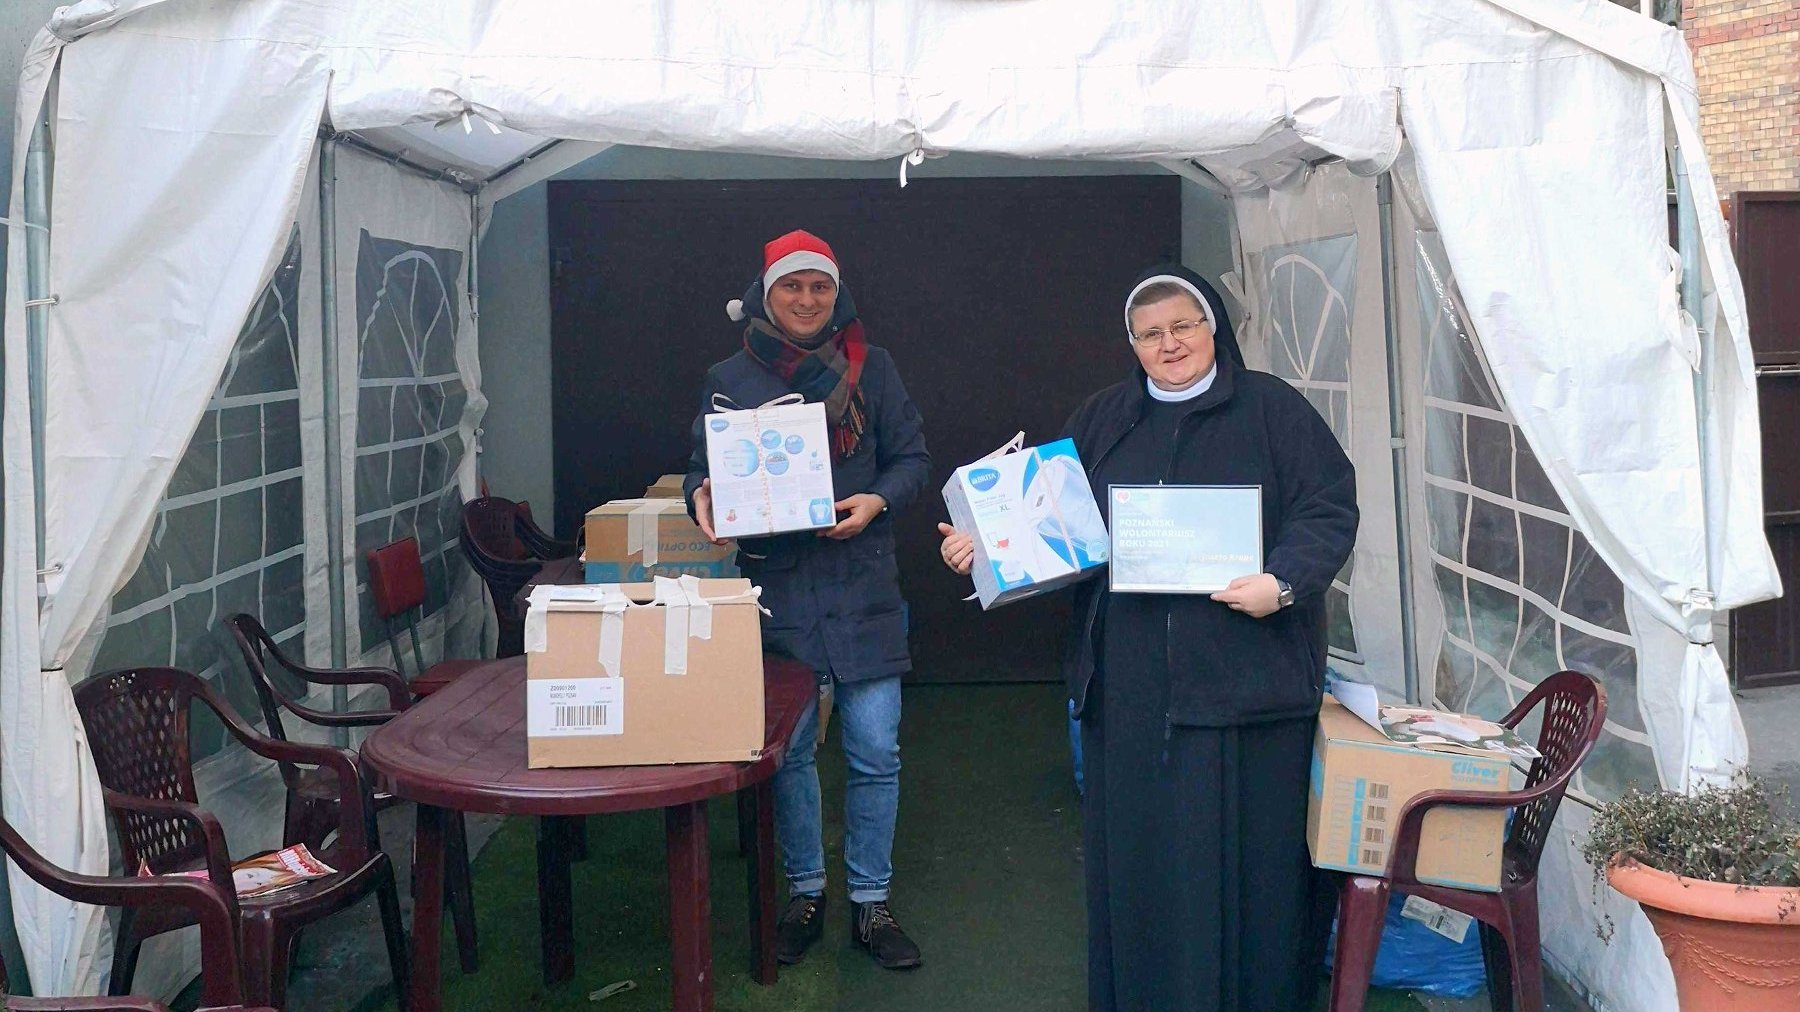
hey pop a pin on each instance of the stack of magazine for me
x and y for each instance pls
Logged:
(267, 873)
(1424, 728)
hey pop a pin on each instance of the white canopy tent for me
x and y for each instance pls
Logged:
(1451, 231)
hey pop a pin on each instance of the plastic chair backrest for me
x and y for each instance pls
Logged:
(492, 523)
(1574, 714)
(137, 729)
(396, 578)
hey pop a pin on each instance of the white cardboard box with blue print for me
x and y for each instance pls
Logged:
(1033, 520)
(770, 470)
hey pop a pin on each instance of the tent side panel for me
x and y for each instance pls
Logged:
(410, 395)
(1313, 281)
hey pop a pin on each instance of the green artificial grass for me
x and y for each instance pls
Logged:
(987, 879)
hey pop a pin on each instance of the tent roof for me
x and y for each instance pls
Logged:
(473, 85)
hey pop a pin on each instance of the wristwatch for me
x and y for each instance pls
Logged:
(1286, 596)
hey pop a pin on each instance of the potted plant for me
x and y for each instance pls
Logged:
(1718, 874)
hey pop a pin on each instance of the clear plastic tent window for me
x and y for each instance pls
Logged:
(410, 402)
(1310, 287)
(229, 533)
(1523, 593)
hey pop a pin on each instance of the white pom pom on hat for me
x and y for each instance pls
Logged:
(734, 310)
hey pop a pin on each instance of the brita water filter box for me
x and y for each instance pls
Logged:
(770, 470)
(1033, 519)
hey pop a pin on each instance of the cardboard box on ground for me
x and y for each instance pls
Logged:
(1361, 780)
(632, 540)
(644, 674)
(770, 470)
(1032, 517)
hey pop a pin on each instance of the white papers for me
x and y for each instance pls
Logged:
(1423, 728)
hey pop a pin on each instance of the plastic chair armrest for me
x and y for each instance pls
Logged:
(1403, 861)
(539, 542)
(356, 808)
(218, 855)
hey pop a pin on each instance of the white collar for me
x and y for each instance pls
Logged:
(1200, 386)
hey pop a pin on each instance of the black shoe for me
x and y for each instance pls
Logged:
(800, 926)
(874, 928)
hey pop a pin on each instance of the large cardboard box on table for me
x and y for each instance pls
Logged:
(644, 674)
(632, 540)
(1361, 780)
(770, 470)
(1033, 519)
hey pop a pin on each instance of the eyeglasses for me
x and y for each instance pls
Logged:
(1182, 329)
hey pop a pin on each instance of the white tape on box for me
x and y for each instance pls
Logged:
(674, 602)
(613, 605)
(641, 535)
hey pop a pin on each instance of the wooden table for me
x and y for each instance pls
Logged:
(463, 749)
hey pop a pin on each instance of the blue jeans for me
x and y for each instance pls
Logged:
(869, 720)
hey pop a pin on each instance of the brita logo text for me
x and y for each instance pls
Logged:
(1473, 772)
(984, 478)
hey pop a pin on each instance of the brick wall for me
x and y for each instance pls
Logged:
(1747, 58)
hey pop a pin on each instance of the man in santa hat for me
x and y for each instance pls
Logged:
(834, 595)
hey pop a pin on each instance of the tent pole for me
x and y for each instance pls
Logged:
(1688, 240)
(1384, 195)
(37, 303)
(334, 460)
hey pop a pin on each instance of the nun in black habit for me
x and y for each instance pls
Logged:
(1197, 712)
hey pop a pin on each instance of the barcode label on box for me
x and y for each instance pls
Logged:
(1452, 924)
(570, 707)
(583, 716)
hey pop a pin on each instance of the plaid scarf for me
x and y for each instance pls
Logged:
(828, 373)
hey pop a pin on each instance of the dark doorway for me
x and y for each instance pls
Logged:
(1765, 638)
(1000, 299)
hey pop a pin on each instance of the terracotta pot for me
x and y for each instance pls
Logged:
(1731, 947)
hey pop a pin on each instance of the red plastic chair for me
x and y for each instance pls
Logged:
(221, 973)
(507, 550)
(397, 582)
(312, 798)
(137, 727)
(1574, 712)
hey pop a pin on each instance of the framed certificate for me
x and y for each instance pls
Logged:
(1184, 539)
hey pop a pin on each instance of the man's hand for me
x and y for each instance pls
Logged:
(1257, 596)
(862, 508)
(703, 511)
(958, 550)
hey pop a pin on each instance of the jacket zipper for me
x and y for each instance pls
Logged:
(1168, 608)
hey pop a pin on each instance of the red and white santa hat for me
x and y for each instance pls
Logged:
(799, 250)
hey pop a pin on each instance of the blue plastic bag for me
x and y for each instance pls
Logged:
(1415, 958)
(1075, 747)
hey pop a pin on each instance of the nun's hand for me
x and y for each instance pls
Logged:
(958, 550)
(1256, 596)
(862, 508)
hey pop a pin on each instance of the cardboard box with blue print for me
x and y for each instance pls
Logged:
(642, 674)
(633, 540)
(1032, 517)
(1364, 773)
